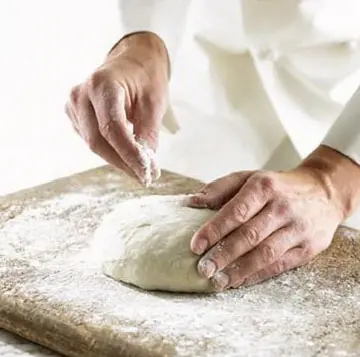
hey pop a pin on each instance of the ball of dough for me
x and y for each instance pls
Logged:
(146, 242)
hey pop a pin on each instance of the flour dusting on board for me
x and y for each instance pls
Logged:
(310, 312)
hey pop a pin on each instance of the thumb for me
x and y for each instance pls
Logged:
(147, 139)
(215, 194)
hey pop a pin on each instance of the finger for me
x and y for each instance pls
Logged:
(147, 134)
(155, 170)
(215, 194)
(147, 120)
(152, 172)
(72, 116)
(109, 106)
(73, 103)
(246, 204)
(259, 258)
(292, 259)
(90, 132)
(148, 139)
(241, 240)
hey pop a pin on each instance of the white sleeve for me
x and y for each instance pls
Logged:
(344, 135)
(165, 18)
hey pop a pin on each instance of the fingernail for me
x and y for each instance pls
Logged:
(220, 280)
(200, 246)
(197, 201)
(207, 268)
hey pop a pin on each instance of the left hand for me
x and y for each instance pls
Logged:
(268, 222)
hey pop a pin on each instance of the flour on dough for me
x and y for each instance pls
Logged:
(146, 242)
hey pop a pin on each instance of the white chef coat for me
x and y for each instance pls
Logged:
(255, 84)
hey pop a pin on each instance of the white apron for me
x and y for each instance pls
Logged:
(256, 84)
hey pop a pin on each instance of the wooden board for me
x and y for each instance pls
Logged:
(51, 294)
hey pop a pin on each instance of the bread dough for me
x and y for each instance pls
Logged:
(146, 242)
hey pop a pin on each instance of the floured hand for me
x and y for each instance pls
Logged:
(119, 109)
(270, 222)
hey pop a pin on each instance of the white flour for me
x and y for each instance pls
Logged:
(43, 260)
(148, 159)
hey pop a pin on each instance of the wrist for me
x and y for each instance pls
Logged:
(338, 175)
(144, 46)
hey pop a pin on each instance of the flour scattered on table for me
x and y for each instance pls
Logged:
(309, 312)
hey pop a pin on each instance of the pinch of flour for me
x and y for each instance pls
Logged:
(147, 156)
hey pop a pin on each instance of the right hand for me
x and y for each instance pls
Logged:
(128, 90)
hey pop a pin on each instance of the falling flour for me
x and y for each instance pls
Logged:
(148, 158)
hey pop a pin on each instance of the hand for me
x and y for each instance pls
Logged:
(270, 222)
(119, 109)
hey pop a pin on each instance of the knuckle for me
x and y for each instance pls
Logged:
(251, 235)
(279, 267)
(283, 208)
(105, 128)
(267, 183)
(205, 189)
(152, 100)
(213, 203)
(67, 110)
(301, 225)
(97, 81)
(74, 95)
(212, 231)
(93, 142)
(268, 254)
(240, 211)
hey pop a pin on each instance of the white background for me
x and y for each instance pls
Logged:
(46, 48)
